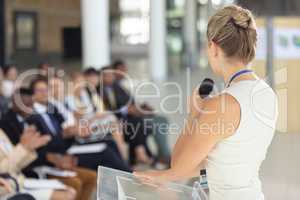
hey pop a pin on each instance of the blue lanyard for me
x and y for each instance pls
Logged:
(239, 73)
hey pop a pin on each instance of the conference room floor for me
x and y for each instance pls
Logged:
(280, 172)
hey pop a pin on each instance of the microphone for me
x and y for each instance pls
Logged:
(206, 87)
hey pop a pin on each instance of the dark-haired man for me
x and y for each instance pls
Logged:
(49, 120)
(14, 121)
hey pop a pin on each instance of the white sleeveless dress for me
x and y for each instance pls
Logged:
(233, 165)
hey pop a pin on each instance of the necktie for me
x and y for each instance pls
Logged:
(51, 123)
(97, 101)
(112, 98)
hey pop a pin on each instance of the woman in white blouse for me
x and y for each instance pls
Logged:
(232, 130)
(15, 158)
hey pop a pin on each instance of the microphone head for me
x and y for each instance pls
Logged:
(206, 87)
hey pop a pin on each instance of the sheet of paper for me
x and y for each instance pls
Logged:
(43, 184)
(54, 172)
(88, 148)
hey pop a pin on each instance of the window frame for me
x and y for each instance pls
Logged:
(33, 15)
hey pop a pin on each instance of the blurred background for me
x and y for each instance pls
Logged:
(163, 40)
(56, 30)
(158, 39)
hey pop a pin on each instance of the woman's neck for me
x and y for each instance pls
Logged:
(232, 69)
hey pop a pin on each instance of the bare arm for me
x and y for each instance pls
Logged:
(200, 135)
(203, 132)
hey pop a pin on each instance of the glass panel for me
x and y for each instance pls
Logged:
(175, 41)
(118, 185)
(134, 6)
(135, 30)
(25, 31)
(134, 22)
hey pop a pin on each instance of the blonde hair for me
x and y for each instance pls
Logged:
(233, 28)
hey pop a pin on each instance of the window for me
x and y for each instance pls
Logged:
(134, 24)
(25, 32)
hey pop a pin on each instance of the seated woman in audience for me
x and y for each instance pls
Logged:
(78, 102)
(158, 123)
(10, 75)
(122, 105)
(14, 158)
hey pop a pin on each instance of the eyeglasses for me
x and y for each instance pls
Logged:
(41, 90)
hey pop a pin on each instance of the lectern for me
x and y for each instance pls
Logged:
(118, 185)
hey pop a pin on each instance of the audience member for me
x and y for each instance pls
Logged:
(4, 101)
(120, 103)
(56, 97)
(77, 99)
(43, 68)
(49, 120)
(90, 94)
(52, 154)
(14, 121)
(90, 97)
(84, 111)
(10, 74)
(121, 75)
(98, 97)
(15, 158)
(158, 123)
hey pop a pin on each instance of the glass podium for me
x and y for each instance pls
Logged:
(118, 185)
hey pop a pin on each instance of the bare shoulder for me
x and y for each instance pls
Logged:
(223, 112)
(223, 102)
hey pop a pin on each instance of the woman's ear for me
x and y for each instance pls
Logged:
(214, 48)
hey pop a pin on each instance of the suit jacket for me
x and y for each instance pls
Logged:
(4, 103)
(122, 98)
(57, 143)
(12, 127)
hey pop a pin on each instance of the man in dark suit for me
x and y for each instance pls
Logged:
(118, 101)
(14, 121)
(20, 116)
(158, 122)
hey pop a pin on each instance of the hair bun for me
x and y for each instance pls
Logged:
(233, 29)
(242, 19)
